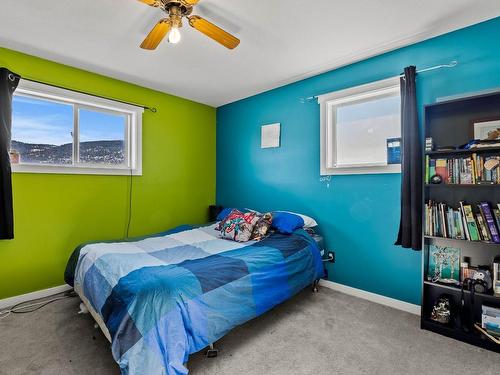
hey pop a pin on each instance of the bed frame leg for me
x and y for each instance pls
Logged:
(83, 309)
(315, 286)
(211, 351)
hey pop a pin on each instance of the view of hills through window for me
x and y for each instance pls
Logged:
(42, 133)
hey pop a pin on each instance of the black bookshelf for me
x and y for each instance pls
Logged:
(445, 239)
(463, 152)
(455, 288)
(449, 124)
(440, 186)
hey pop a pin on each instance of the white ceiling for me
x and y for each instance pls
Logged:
(281, 40)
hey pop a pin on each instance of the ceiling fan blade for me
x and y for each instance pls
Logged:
(156, 35)
(191, 2)
(153, 3)
(214, 32)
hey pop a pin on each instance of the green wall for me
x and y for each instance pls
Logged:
(54, 213)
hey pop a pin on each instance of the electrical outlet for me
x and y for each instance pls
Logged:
(331, 256)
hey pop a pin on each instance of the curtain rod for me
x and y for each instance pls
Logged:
(152, 109)
(451, 64)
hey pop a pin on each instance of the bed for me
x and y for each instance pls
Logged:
(162, 297)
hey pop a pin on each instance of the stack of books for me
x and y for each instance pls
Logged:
(490, 321)
(474, 169)
(462, 223)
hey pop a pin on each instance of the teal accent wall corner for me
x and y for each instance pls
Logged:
(358, 214)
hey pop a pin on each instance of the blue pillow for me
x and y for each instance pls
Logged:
(285, 222)
(222, 215)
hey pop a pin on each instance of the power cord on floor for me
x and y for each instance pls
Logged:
(32, 306)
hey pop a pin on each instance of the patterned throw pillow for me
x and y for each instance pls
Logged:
(238, 226)
(223, 220)
(262, 227)
(224, 214)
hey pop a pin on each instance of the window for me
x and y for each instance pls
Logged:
(60, 131)
(361, 129)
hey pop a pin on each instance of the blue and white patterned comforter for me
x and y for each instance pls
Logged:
(166, 296)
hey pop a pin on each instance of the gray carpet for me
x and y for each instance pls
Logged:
(325, 333)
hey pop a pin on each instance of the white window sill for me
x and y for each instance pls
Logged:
(62, 169)
(389, 168)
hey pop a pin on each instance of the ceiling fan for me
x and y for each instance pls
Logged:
(176, 11)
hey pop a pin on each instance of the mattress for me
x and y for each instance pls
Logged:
(162, 297)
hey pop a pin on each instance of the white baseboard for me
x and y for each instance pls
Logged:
(377, 298)
(8, 302)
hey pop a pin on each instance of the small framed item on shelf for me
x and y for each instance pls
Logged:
(486, 129)
(444, 265)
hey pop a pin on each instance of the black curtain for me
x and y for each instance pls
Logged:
(8, 84)
(410, 225)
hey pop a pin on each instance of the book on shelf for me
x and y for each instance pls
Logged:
(482, 227)
(473, 169)
(471, 222)
(496, 213)
(441, 169)
(463, 223)
(490, 222)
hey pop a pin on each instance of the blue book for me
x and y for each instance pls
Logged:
(490, 221)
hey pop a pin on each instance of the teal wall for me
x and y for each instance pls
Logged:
(358, 214)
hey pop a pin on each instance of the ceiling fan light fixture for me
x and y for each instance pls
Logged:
(174, 36)
(176, 11)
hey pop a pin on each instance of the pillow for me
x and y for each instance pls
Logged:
(262, 227)
(222, 217)
(226, 211)
(309, 222)
(238, 226)
(285, 222)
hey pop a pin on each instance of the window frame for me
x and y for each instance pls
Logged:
(328, 138)
(133, 131)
